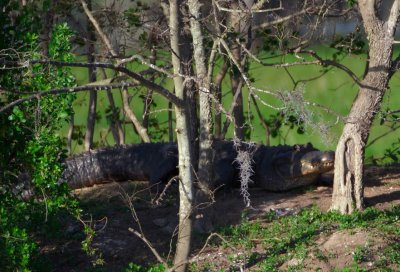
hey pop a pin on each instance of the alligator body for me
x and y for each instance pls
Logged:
(155, 162)
(278, 168)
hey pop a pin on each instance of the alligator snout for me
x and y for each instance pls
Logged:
(317, 162)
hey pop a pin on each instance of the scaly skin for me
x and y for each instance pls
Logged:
(284, 168)
(155, 162)
(277, 168)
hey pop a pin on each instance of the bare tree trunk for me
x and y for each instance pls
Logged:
(91, 119)
(149, 95)
(204, 194)
(218, 94)
(238, 115)
(48, 22)
(236, 79)
(183, 136)
(348, 191)
(186, 58)
(170, 123)
(138, 126)
(115, 124)
(262, 120)
(70, 133)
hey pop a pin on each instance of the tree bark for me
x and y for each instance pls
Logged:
(348, 183)
(91, 119)
(235, 25)
(115, 126)
(149, 95)
(170, 124)
(184, 137)
(48, 22)
(70, 133)
(218, 94)
(204, 194)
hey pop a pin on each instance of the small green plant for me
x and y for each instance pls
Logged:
(87, 246)
(390, 255)
(321, 256)
(361, 254)
(138, 268)
(355, 268)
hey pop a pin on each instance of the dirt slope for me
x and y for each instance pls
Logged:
(111, 217)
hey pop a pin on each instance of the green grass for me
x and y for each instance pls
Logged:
(291, 237)
(331, 88)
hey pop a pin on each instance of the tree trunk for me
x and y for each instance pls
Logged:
(238, 115)
(204, 194)
(170, 124)
(186, 58)
(48, 22)
(184, 137)
(236, 80)
(115, 124)
(91, 119)
(149, 95)
(70, 133)
(348, 191)
(218, 94)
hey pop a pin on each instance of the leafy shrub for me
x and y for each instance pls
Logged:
(31, 150)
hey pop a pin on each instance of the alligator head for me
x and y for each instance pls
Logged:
(286, 167)
(316, 162)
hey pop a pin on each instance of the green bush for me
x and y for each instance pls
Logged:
(31, 150)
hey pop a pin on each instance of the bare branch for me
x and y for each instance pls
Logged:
(96, 25)
(135, 76)
(367, 10)
(151, 65)
(38, 95)
(392, 20)
(279, 21)
(325, 62)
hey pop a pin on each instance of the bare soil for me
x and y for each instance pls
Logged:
(107, 211)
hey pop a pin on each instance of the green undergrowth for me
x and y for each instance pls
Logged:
(268, 242)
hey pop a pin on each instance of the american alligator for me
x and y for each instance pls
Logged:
(278, 168)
